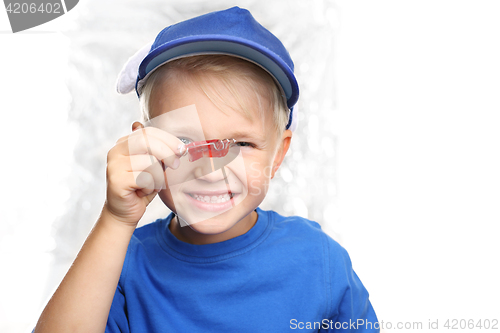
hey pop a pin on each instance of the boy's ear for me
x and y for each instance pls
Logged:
(136, 125)
(286, 138)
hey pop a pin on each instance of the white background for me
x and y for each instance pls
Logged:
(417, 124)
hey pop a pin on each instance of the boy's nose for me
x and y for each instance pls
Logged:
(208, 172)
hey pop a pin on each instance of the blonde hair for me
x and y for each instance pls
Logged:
(231, 71)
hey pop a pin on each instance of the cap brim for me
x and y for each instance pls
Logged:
(218, 44)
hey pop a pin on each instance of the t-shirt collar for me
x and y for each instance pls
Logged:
(216, 251)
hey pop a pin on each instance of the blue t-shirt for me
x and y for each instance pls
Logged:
(284, 274)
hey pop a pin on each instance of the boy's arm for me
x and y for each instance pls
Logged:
(135, 175)
(83, 299)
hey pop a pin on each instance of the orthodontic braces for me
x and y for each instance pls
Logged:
(209, 148)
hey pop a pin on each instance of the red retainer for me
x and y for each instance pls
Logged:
(209, 148)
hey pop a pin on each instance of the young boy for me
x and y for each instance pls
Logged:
(217, 93)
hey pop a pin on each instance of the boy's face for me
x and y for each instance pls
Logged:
(216, 197)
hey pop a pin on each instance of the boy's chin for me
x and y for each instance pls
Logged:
(211, 226)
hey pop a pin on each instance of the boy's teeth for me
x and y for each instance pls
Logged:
(212, 199)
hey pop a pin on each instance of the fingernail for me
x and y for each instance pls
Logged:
(181, 149)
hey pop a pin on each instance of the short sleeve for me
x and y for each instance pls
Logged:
(351, 310)
(117, 319)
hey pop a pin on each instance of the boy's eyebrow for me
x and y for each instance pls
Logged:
(245, 135)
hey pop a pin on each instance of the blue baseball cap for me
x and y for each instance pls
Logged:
(233, 32)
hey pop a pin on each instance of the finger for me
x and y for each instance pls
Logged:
(122, 139)
(144, 182)
(172, 141)
(140, 162)
(150, 196)
(156, 170)
(155, 142)
(169, 139)
(148, 164)
(145, 162)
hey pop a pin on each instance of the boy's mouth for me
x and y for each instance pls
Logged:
(221, 198)
(212, 201)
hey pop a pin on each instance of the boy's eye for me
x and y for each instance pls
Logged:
(245, 144)
(185, 140)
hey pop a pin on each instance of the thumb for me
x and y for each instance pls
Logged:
(150, 197)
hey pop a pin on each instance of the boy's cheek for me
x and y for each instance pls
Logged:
(255, 188)
(240, 168)
(257, 170)
(258, 178)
